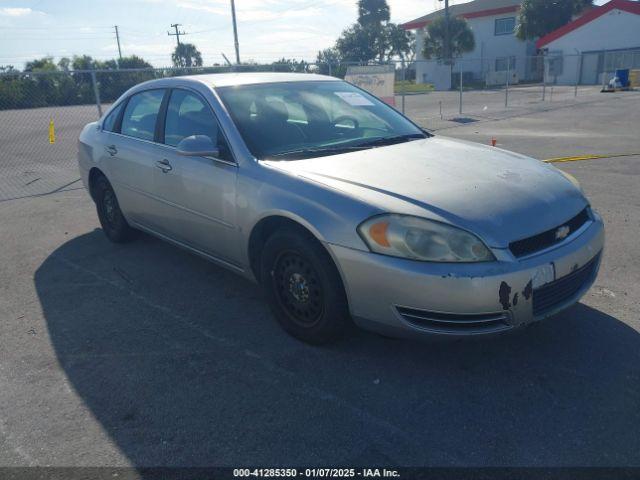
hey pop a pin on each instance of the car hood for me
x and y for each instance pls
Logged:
(500, 196)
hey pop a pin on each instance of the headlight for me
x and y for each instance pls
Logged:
(421, 239)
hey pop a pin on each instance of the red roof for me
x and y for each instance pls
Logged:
(474, 9)
(625, 5)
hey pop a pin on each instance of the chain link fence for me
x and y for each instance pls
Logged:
(42, 113)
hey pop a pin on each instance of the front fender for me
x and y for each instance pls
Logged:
(330, 215)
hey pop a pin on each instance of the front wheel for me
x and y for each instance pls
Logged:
(303, 287)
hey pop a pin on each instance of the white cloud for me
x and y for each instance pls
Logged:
(262, 15)
(204, 7)
(254, 10)
(289, 36)
(15, 11)
(141, 48)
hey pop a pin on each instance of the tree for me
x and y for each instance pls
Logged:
(401, 42)
(328, 62)
(117, 80)
(186, 55)
(44, 64)
(460, 35)
(373, 12)
(290, 65)
(83, 62)
(356, 44)
(134, 61)
(373, 37)
(64, 64)
(62, 84)
(539, 17)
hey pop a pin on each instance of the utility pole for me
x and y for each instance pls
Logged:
(178, 33)
(447, 35)
(118, 40)
(235, 31)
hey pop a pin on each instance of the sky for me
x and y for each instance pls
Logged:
(267, 29)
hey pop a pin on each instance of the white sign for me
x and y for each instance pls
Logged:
(379, 80)
(354, 98)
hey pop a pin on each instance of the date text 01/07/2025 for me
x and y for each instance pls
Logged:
(316, 472)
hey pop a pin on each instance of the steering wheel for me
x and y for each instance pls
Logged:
(347, 118)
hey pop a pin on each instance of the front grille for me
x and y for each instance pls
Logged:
(543, 240)
(555, 293)
(461, 324)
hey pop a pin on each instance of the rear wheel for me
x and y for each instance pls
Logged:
(111, 219)
(303, 287)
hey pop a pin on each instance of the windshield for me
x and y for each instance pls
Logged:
(309, 119)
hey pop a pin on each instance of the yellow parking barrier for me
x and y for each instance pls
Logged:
(52, 132)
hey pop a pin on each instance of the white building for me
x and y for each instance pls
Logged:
(601, 40)
(497, 48)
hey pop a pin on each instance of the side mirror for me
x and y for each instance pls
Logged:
(198, 146)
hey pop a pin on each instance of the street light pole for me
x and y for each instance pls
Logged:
(235, 31)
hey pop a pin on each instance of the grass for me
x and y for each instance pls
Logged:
(412, 87)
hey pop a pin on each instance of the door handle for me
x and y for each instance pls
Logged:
(111, 150)
(164, 165)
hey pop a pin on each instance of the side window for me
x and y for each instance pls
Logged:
(109, 123)
(505, 26)
(140, 116)
(188, 114)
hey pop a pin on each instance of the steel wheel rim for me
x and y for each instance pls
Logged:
(109, 207)
(298, 289)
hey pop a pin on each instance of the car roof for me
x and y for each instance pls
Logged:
(214, 80)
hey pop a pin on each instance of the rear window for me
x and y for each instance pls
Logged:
(109, 123)
(141, 114)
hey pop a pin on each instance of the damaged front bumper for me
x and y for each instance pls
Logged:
(404, 297)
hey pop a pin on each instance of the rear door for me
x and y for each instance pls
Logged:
(198, 192)
(133, 152)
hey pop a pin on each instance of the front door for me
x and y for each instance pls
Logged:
(198, 193)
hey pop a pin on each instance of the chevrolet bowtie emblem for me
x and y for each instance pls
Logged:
(562, 232)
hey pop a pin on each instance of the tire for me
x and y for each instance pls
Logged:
(303, 287)
(113, 223)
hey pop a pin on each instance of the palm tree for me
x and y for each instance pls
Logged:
(186, 55)
(462, 39)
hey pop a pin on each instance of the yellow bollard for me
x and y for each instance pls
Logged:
(52, 132)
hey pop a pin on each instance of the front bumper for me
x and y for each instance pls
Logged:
(405, 297)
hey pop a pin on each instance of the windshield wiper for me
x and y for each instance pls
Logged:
(382, 141)
(315, 151)
(321, 151)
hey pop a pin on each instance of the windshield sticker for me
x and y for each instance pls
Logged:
(354, 99)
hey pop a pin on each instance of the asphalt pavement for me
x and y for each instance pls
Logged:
(145, 355)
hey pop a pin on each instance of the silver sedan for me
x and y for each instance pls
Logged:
(340, 207)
